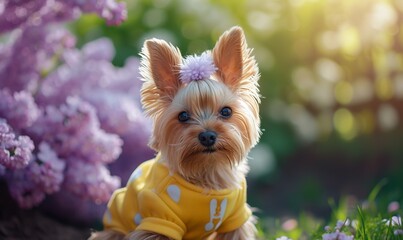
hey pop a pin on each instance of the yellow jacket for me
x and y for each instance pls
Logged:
(157, 201)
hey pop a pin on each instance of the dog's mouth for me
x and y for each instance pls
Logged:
(209, 150)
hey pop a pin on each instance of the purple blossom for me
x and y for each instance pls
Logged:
(46, 170)
(89, 141)
(40, 12)
(68, 78)
(90, 181)
(106, 87)
(393, 206)
(336, 236)
(15, 151)
(197, 67)
(340, 224)
(73, 129)
(127, 113)
(16, 13)
(113, 12)
(36, 48)
(394, 221)
(25, 192)
(123, 99)
(98, 50)
(44, 175)
(99, 146)
(73, 105)
(18, 108)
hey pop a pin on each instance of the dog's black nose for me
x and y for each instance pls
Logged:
(207, 138)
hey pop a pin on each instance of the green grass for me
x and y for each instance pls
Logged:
(370, 219)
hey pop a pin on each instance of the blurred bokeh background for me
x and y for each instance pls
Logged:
(332, 82)
(331, 85)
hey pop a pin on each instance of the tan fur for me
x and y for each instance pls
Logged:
(237, 67)
(164, 96)
(204, 99)
(107, 234)
(245, 232)
(145, 235)
(160, 60)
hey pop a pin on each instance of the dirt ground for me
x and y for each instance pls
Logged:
(16, 224)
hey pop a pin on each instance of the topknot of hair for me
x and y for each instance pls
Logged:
(195, 68)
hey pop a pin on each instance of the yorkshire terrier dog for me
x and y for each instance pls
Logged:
(205, 111)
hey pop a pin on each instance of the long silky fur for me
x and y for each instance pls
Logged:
(107, 234)
(145, 235)
(235, 85)
(245, 232)
(181, 152)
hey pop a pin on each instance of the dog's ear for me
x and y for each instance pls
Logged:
(163, 63)
(160, 71)
(233, 59)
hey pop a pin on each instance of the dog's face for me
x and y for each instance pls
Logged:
(206, 124)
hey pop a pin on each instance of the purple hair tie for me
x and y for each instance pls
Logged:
(196, 68)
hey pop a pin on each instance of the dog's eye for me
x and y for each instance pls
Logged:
(183, 116)
(226, 112)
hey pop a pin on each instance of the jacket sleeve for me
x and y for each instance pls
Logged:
(112, 217)
(158, 217)
(240, 214)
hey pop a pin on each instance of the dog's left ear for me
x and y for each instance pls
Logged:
(233, 59)
(160, 72)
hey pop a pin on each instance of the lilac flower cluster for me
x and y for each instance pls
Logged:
(337, 233)
(17, 14)
(15, 152)
(44, 175)
(395, 222)
(19, 108)
(66, 114)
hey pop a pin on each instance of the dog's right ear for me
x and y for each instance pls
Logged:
(160, 71)
(237, 68)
